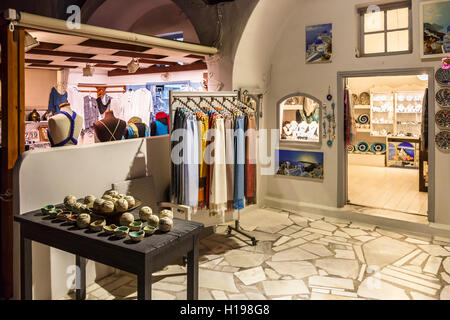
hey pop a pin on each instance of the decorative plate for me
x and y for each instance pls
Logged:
(443, 97)
(443, 140)
(355, 99)
(364, 119)
(350, 148)
(362, 147)
(378, 147)
(443, 77)
(364, 98)
(443, 118)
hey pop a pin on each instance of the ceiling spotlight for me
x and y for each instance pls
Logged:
(88, 71)
(30, 42)
(133, 66)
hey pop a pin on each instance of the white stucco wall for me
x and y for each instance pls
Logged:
(271, 57)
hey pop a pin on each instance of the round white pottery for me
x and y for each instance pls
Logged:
(145, 213)
(98, 203)
(121, 205)
(135, 226)
(109, 229)
(149, 230)
(165, 224)
(97, 225)
(153, 221)
(137, 236)
(108, 207)
(131, 201)
(121, 232)
(126, 219)
(83, 221)
(166, 214)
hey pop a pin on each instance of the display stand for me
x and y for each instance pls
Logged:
(209, 97)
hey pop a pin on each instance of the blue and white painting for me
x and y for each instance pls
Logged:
(436, 28)
(300, 164)
(319, 47)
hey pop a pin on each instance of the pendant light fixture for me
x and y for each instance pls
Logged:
(88, 71)
(133, 66)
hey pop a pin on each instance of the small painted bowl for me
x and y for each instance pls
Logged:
(135, 226)
(72, 218)
(149, 230)
(137, 236)
(109, 229)
(97, 225)
(62, 216)
(45, 210)
(54, 213)
(121, 232)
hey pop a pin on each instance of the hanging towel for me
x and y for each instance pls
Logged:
(239, 163)
(203, 125)
(218, 192)
(250, 159)
(190, 163)
(229, 150)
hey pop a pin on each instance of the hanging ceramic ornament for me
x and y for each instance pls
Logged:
(329, 96)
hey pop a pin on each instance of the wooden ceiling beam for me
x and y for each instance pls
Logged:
(60, 53)
(48, 46)
(113, 45)
(38, 61)
(52, 66)
(93, 61)
(199, 65)
(139, 55)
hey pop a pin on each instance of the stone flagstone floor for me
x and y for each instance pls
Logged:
(300, 258)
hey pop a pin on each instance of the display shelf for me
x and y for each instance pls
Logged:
(362, 130)
(361, 107)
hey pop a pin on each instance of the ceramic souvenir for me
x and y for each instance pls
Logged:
(443, 118)
(107, 197)
(443, 140)
(135, 226)
(120, 205)
(121, 196)
(69, 201)
(165, 224)
(166, 214)
(355, 99)
(364, 98)
(362, 147)
(145, 213)
(83, 221)
(131, 201)
(109, 229)
(72, 219)
(121, 232)
(443, 97)
(113, 193)
(363, 119)
(108, 207)
(89, 201)
(63, 216)
(153, 221)
(54, 213)
(78, 207)
(98, 203)
(149, 230)
(126, 219)
(97, 225)
(45, 210)
(137, 236)
(443, 77)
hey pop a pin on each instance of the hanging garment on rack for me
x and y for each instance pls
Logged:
(91, 114)
(229, 150)
(353, 131)
(116, 105)
(218, 190)
(176, 166)
(190, 162)
(203, 125)
(239, 163)
(103, 106)
(75, 98)
(55, 100)
(250, 159)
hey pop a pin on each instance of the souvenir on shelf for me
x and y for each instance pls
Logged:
(443, 140)
(443, 118)
(355, 99)
(378, 147)
(443, 97)
(443, 76)
(350, 148)
(362, 147)
(363, 119)
(364, 98)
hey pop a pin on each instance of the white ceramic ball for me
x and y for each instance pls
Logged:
(166, 214)
(107, 197)
(145, 213)
(108, 207)
(153, 221)
(113, 193)
(131, 201)
(126, 219)
(165, 224)
(83, 220)
(121, 205)
(98, 203)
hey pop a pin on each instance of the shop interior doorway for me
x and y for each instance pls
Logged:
(386, 143)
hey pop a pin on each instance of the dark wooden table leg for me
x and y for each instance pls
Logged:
(144, 290)
(80, 276)
(192, 271)
(26, 280)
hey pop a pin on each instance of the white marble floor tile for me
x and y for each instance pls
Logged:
(219, 295)
(419, 260)
(445, 293)
(284, 287)
(297, 270)
(383, 251)
(322, 225)
(332, 282)
(345, 254)
(435, 250)
(446, 277)
(317, 249)
(407, 258)
(271, 274)
(419, 296)
(294, 254)
(217, 280)
(354, 232)
(281, 241)
(433, 264)
(374, 288)
(319, 231)
(410, 278)
(242, 259)
(251, 276)
(339, 267)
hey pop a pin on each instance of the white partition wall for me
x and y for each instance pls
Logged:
(46, 177)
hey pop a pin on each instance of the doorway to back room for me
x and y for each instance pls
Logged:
(387, 146)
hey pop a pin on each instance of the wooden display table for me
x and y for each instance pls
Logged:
(144, 258)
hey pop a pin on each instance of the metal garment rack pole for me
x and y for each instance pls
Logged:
(173, 96)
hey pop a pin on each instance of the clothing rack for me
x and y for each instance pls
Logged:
(102, 88)
(208, 98)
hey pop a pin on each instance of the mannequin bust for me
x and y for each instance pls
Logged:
(61, 126)
(110, 128)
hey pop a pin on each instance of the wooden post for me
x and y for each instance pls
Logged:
(13, 141)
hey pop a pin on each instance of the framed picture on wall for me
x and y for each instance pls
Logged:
(435, 28)
(319, 47)
(299, 164)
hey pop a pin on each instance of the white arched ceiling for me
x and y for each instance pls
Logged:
(143, 16)
(264, 28)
